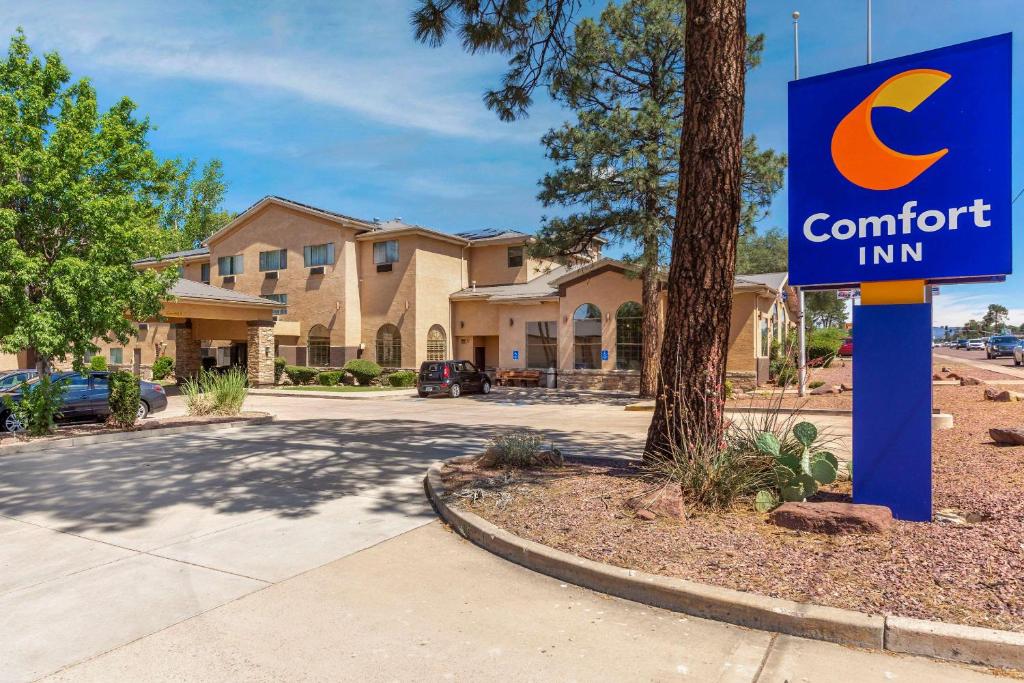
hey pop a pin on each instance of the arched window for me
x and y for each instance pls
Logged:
(629, 339)
(318, 345)
(587, 337)
(436, 346)
(389, 347)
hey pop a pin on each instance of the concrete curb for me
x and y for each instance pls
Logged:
(968, 644)
(350, 396)
(838, 412)
(132, 436)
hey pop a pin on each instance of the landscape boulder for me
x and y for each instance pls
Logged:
(945, 369)
(1005, 396)
(846, 387)
(825, 389)
(832, 518)
(1007, 436)
(665, 501)
(970, 381)
(937, 376)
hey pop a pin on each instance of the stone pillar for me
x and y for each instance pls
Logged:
(188, 352)
(261, 352)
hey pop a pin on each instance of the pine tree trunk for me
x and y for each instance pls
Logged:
(651, 325)
(691, 397)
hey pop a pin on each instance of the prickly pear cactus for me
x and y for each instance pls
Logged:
(797, 476)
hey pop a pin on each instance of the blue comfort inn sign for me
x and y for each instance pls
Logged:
(901, 169)
(899, 176)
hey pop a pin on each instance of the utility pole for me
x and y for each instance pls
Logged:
(801, 334)
(869, 31)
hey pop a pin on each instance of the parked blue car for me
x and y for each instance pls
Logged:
(86, 398)
(10, 379)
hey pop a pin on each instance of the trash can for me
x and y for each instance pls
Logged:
(550, 379)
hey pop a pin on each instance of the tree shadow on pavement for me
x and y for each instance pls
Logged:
(285, 468)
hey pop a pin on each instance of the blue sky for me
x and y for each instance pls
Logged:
(332, 102)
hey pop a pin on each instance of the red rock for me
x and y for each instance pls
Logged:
(826, 389)
(970, 381)
(1009, 436)
(666, 501)
(646, 515)
(846, 387)
(832, 518)
(937, 376)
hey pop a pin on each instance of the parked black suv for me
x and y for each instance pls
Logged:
(451, 377)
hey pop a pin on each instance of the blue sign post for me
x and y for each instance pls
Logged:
(900, 177)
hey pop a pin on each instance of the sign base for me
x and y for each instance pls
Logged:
(892, 409)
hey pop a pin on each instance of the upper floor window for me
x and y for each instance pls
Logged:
(229, 265)
(274, 260)
(318, 255)
(116, 356)
(515, 257)
(281, 299)
(385, 252)
(204, 273)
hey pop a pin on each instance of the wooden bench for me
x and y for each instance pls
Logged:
(519, 378)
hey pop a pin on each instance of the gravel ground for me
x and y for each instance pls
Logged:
(969, 574)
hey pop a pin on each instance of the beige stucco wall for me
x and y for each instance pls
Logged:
(607, 290)
(331, 299)
(439, 273)
(488, 265)
(388, 297)
(9, 361)
(742, 333)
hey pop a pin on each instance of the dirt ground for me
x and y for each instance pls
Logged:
(970, 574)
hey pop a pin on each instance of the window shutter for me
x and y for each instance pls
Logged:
(330, 253)
(306, 254)
(284, 259)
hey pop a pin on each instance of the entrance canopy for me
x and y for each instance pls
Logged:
(201, 311)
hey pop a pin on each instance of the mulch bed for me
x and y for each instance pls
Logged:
(969, 574)
(75, 429)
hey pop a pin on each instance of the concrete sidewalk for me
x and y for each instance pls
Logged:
(429, 605)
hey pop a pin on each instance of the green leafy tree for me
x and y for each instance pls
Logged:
(618, 162)
(995, 317)
(536, 36)
(192, 209)
(824, 310)
(762, 252)
(80, 194)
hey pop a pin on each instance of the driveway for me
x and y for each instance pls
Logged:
(305, 550)
(101, 545)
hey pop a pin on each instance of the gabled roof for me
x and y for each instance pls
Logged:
(192, 290)
(541, 287)
(594, 267)
(495, 234)
(773, 281)
(397, 227)
(347, 221)
(174, 256)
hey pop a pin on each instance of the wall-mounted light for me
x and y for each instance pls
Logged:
(607, 317)
(462, 323)
(511, 322)
(565, 319)
(266, 352)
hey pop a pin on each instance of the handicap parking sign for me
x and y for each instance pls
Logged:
(604, 354)
(515, 354)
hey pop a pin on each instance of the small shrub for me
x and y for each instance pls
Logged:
(402, 378)
(521, 449)
(729, 388)
(299, 374)
(712, 477)
(329, 378)
(279, 364)
(162, 367)
(40, 405)
(365, 371)
(98, 363)
(216, 393)
(125, 395)
(815, 384)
